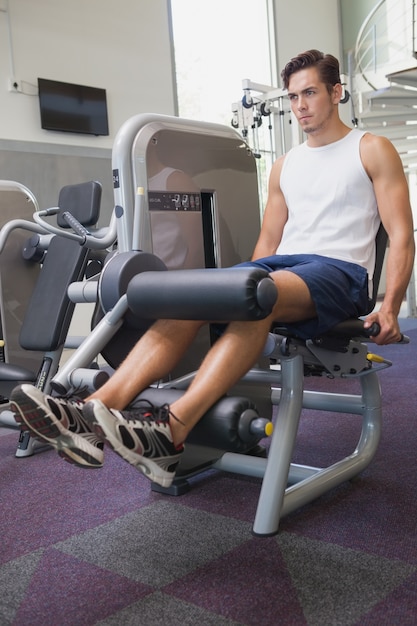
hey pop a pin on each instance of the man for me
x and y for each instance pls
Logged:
(326, 198)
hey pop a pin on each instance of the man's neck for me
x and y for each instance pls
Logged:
(331, 134)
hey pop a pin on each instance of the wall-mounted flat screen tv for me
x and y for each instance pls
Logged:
(72, 108)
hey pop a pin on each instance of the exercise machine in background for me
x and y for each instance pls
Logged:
(36, 274)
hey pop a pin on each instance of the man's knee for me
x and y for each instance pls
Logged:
(294, 302)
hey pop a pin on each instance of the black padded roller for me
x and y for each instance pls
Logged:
(221, 426)
(354, 328)
(238, 293)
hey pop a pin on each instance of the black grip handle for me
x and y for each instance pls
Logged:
(373, 330)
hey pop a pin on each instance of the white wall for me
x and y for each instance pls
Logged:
(305, 24)
(123, 47)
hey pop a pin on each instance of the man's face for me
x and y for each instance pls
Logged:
(311, 103)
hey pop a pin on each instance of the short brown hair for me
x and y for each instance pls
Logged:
(326, 64)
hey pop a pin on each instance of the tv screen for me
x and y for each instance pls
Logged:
(72, 108)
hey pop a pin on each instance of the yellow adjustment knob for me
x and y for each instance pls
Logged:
(269, 429)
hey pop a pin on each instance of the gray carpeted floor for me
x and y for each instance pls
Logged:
(99, 547)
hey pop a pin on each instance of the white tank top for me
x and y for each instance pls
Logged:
(332, 208)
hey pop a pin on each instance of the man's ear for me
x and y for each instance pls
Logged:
(338, 93)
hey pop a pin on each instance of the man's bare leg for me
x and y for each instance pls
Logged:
(236, 352)
(152, 358)
(61, 421)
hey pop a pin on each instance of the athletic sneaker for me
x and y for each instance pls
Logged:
(59, 422)
(142, 436)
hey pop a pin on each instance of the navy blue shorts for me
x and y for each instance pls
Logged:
(339, 289)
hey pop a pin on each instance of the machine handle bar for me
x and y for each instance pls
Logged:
(80, 234)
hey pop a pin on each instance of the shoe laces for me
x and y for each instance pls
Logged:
(151, 413)
(76, 394)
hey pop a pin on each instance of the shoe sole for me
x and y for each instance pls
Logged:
(96, 416)
(31, 414)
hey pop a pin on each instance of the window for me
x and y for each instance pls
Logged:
(217, 44)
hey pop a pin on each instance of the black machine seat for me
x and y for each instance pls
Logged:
(49, 312)
(82, 201)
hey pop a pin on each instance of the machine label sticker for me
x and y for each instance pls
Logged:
(116, 180)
